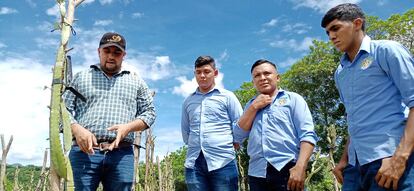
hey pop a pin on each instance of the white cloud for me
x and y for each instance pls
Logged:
(287, 63)
(298, 28)
(105, 2)
(31, 3)
(7, 10)
(102, 22)
(151, 67)
(382, 2)
(293, 44)
(271, 23)
(53, 11)
(47, 42)
(25, 114)
(188, 86)
(2, 45)
(322, 6)
(137, 15)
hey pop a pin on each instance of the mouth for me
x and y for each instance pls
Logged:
(264, 84)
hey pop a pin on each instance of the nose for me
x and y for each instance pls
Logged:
(262, 77)
(111, 55)
(332, 36)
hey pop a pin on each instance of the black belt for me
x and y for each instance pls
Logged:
(104, 145)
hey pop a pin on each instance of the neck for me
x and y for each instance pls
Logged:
(274, 93)
(355, 46)
(206, 90)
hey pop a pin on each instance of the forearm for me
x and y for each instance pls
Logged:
(405, 148)
(344, 157)
(306, 150)
(246, 120)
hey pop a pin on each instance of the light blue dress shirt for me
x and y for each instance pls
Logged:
(376, 89)
(276, 132)
(206, 125)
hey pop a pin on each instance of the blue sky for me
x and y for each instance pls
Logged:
(163, 40)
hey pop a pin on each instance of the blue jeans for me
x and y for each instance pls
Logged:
(362, 178)
(113, 168)
(275, 180)
(200, 179)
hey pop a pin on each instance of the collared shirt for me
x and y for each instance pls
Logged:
(374, 88)
(206, 125)
(119, 99)
(276, 132)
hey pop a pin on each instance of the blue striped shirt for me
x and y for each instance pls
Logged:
(117, 100)
(376, 89)
(206, 125)
(276, 132)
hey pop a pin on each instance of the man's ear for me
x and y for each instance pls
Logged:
(215, 72)
(358, 23)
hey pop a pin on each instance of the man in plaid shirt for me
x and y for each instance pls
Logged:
(118, 103)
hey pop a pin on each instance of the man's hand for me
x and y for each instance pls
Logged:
(84, 138)
(297, 178)
(122, 131)
(390, 172)
(261, 101)
(236, 146)
(339, 169)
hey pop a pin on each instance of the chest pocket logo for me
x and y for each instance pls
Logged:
(366, 62)
(282, 101)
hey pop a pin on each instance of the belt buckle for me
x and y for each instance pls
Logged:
(104, 146)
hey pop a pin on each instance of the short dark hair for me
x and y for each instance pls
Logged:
(260, 62)
(204, 60)
(344, 12)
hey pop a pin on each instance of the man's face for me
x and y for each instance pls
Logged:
(265, 79)
(111, 59)
(205, 76)
(341, 33)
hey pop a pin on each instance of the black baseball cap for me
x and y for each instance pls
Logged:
(113, 39)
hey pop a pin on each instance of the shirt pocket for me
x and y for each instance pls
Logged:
(371, 78)
(279, 114)
(215, 110)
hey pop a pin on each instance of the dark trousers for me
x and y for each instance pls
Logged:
(275, 180)
(362, 177)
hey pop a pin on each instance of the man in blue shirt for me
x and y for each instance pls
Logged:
(375, 80)
(280, 130)
(208, 115)
(118, 103)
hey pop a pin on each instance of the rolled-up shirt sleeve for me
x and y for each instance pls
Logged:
(69, 98)
(145, 106)
(185, 125)
(400, 67)
(303, 122)
(238, 133)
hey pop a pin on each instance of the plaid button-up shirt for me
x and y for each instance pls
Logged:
(109, 101)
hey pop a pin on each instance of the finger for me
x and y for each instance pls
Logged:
(94, 141)
(380, 174)
(111, 147)
(90, 145)
(388, 183)
(381, 181)
(289, 184)
(113, 128)
(338, 176)
(395, 185)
